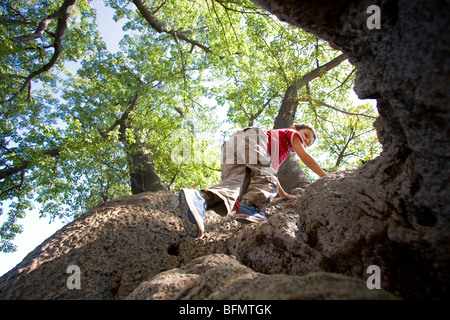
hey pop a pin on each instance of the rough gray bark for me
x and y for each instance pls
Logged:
(291, 174)
(135, 248)
(117, 246)
(221, 277)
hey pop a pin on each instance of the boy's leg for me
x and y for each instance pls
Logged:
(264, 186)
(235, 180)
(235, 174)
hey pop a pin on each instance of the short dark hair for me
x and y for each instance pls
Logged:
(300, 126)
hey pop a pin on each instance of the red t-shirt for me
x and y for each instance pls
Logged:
(279, 145)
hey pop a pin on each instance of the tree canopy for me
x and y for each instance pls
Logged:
(119, 123)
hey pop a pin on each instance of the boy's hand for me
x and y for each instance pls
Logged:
(287, 196)
(283, 193)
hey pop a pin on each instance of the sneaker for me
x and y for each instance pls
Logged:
(193, 209)
(249, 214)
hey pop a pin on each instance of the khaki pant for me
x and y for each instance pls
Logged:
(246, 171)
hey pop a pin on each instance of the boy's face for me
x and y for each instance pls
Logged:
(307, 135)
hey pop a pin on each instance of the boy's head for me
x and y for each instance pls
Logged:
(307, 131)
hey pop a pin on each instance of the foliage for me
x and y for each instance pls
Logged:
(67, 138)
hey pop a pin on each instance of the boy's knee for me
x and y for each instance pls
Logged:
(268, 179)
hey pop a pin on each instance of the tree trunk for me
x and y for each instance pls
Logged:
(286, 114)
(288, 108)
(143, 175)
(291, 175)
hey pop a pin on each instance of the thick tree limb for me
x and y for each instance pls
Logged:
(131, 106)
(143, 175)
(319, 71)
(161, 27)
(288, 107)
(62, 14)
(291, 174)
(24, 165)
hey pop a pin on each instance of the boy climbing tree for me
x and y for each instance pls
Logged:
(250, 160)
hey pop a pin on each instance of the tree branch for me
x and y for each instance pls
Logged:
(289, 104)
(308, 99)
(345, 80)
(341, 154)
(131, 106)
(161, 27)
(319, 71)
(62, 15)
(6, 21)
(252, 10)
(24, 165)
(253, 117)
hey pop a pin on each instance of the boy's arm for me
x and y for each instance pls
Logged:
(306, 158)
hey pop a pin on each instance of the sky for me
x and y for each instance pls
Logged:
(36, 230)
